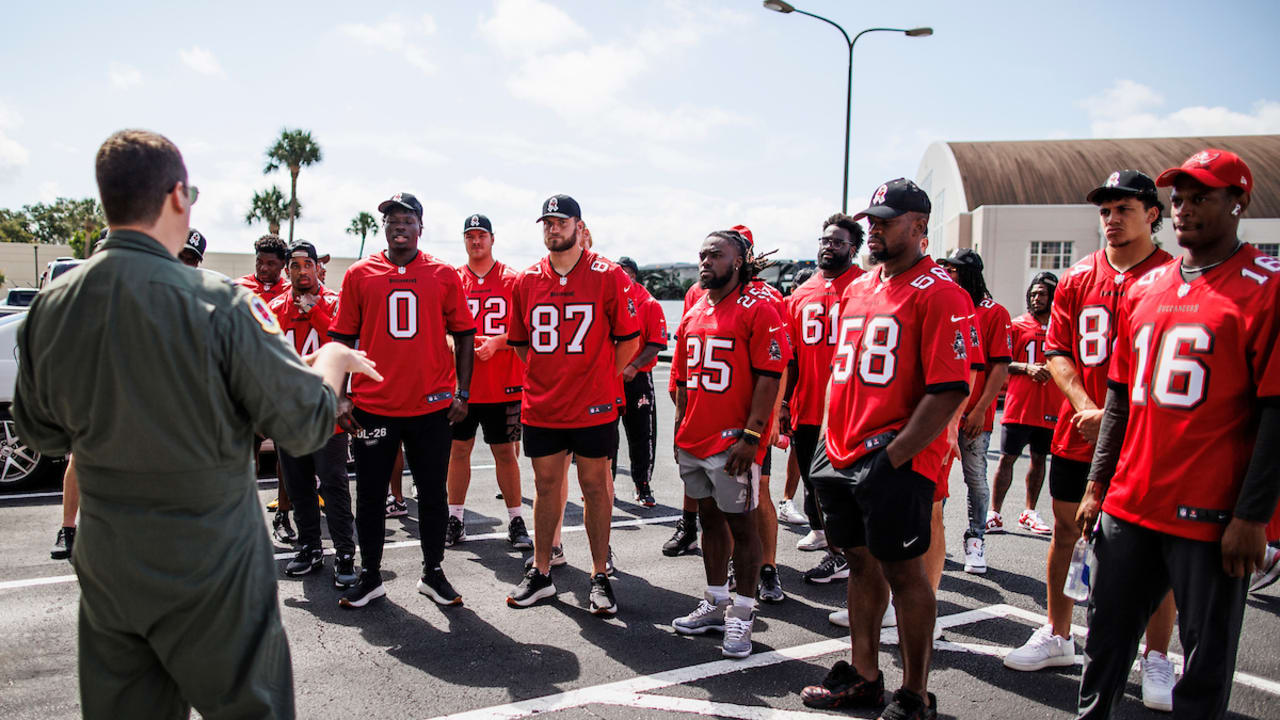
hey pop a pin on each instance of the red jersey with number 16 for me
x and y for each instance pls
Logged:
(1028, 402)
(500, 378)
(813, 316)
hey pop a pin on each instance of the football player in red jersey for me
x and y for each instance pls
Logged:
(305, 314)
(1185, 470)
(269, 257)
(731, 348)
(899, 373)
(398, 304)
(496, 385)
(640, 421)
(575, 330)
(1078, 345)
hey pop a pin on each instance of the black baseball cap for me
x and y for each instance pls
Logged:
(403, 200)
(196, 243)
(561, 206)
(963, 257)
(302, 246)
(1123, 182)
(895, 198)
(627, 262)
(477, 222)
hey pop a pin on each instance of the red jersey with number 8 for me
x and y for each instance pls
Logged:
(500, 378)
(1028, 402)
(813, 316)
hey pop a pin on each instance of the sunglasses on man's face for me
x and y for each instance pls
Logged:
(193, 193)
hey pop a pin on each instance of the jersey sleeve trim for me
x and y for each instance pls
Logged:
(343, 337)
(946, 387)
(766, 373)
(621, 338)
(1057, 353)
(462, 333)
(516, 343)
(653, 344)
(999, 359)
(1118, 387)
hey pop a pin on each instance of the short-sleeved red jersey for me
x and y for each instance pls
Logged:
(266, 292)
(500, 378)
(813, 317)
(993, 325)
(570, 324)
(719, 350)
(1195, 358)
(1082, 327)
(653, 322)
(1028, 402)
(306, 332)
(400, 316)
(899, 339)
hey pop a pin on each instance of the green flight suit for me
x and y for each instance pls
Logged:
(156, 376)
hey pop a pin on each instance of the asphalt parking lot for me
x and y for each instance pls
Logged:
(404, 657)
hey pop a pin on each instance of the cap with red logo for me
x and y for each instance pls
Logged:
(1214, 168)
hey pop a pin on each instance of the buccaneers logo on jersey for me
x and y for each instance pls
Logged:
(957, 346)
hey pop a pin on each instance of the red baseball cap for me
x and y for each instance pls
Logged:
(1215, 168)
(745, 232)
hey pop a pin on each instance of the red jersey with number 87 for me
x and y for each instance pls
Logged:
(1195, 359)
(500, 378)
(1028, 402)
(813, 316)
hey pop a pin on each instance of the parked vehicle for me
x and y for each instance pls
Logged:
(20, 466)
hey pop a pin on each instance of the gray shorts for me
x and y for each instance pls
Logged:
(705, 477)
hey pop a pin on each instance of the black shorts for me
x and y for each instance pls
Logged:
(501, 422)
(1067, 479)
(594, 441)
(873, 504)
(1017, 436)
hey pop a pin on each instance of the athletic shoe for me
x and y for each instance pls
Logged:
(307, 561)
(1042, 650)
(533, 587)
(274, 504)
(839, 618)
(975, 555)
(844, 687)
(1157, 682)
(435, 586)
(282, 529)
(770, 588)
(602, 600)
(890, 618)
(517, 536)
(557, 558)
(1265, 575)
(907, 705)
(737, 632)
(63, 543)
(344, 570)
(788, 513)
(995, 523)
(1031, 521)
(708, 616)
(644, 494)
(815, 540)
(683, 540)
(396, 508)
(937, 630)
(833, 567)
(455, 532)
(366, 590)
(609, 568)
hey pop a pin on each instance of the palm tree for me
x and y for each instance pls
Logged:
(270, 207)
(362, 225)
(294, 149)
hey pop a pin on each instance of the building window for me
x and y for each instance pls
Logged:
(1272, 249)
(1051, 255)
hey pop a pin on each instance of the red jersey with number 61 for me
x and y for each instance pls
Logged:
(1195, 359)
(1028, 402)
(813, 316)
(500, 378)
(1082, 327)
(899, 340)
(570, 324)
(400, 316)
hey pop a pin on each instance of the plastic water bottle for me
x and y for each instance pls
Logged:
(1077, 585)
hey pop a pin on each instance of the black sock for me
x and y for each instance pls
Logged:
(691, 520)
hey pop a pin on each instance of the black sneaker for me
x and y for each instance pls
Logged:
(282, 529)
(344, 570)
(770, 589)
(557, 558)
(455, 532)
(517, 535)
(368, 589)
(532, 588)
(307, 561)
(602, 600)
(907, 705)
(644, 494)
(833, 567)
(685, 539)
(434, 585)
(844, 687)
(62, 544)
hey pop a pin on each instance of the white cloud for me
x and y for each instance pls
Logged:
(13, 156)
(1130, 109)
(402, 37)
(124, 76)
(201, 61)
(49, 191)
(526, 27)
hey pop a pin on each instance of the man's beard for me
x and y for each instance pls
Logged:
(835, 263)
(563, 243)
(717, 281)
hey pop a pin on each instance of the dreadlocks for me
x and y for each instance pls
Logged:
(752, 264)
(973, 283)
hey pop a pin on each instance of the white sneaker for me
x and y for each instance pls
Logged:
(1043, 650)
(975, 556)
(1157, 682)
(788, 513)
(937, 630)
(839, 618)
(1269, 571)
(815, 540)
(995, 523)
(1031, 521)
(890, 618)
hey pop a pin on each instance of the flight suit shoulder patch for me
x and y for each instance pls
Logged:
(267, 319)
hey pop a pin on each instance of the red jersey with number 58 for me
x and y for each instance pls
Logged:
(400, 316)
(1028, 402)
(1082, 327)
(570, 324)
(813, 316)
(899, 340)
(1195, 358)
(500, 378)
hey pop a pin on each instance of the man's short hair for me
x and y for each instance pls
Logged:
(849, 225)
(136, 169)
(273, 244)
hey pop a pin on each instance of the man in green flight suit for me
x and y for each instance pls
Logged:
(156, 376)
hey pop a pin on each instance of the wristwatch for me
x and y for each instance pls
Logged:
(463, 395)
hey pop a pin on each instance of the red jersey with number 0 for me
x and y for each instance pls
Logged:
(720, 349)
(570, 324)
(1195, 358)
(813, 316)
(899, 339)
(1082, 327)
(400, 316)
(500, 378)
(1028, 402)
(993, 326)
(266, 292)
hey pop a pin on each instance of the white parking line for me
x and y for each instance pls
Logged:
(708, 707)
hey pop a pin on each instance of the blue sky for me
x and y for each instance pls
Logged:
(666, 120)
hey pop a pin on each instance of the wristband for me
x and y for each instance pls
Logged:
(750, 439)
(463, 395)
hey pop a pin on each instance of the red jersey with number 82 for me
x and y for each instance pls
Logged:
(1195, 359)
(400, 316)
(899, 340)
(1028, 402)
(813, 316)
(500, 378)
(570, 324)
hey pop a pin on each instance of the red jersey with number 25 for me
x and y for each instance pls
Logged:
(1028, 402)
(570, 324)
(500, 378)
(719, 350)
(1195, 358)
(813, 316)
(899, 340)
(400, 316)
(1082, 327)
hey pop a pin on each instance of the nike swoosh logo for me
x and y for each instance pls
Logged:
(909, 543)
(775, 329)
(958, 318)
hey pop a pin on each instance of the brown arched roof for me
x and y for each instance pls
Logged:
(1062, 172)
